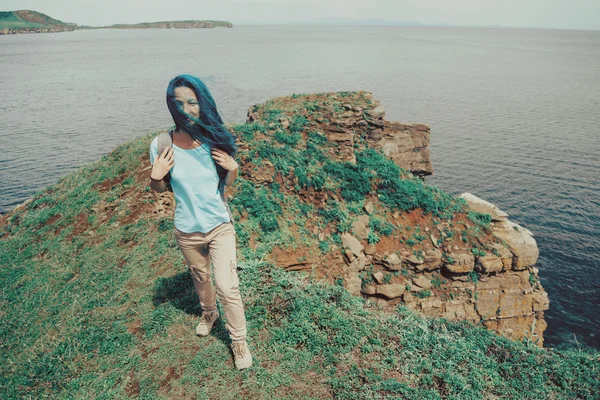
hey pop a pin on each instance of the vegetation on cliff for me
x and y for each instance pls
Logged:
(96, 299)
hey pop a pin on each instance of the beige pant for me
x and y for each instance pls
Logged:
(218, 245)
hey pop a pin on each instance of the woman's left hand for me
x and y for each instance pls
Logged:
(224, 159)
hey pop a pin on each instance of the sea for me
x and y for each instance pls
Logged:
(514, 116)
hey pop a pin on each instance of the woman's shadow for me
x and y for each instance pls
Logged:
(180, 292)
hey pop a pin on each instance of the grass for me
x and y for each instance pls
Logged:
(8, 20)
(96, 302)
(26, 19)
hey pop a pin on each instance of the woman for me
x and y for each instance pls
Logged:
(204, 228)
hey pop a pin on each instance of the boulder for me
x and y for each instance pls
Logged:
(521, 243)
(358, 264)
(352, 243)
(378, 276)
(540, 301)
(432, 260)
(432, 306)
(408, 298)
(482, 206)
(377, 112)
(353, 284)
(370, 249)
(489, 263)
(369, 289)
(513, 303)
(460, 310)
(463, 262)
(262, 174)
(414, 260)
(360, 227)
(393, 262)
(487, 303)
(505, 255)
(391, 291)
(422, 281)
(349, 256)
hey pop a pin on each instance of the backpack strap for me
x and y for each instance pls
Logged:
(165, 140)
(222, 193)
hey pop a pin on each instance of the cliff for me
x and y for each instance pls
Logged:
(97, 300)
(400, 242)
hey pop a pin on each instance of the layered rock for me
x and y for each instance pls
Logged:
(406, 144)
(501, 290)
(51, 29)
(486, 278)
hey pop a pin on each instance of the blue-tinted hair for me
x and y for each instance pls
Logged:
(209, 128)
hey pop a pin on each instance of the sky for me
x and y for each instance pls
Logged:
(559, 14)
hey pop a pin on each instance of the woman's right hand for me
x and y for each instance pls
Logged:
(162, 164)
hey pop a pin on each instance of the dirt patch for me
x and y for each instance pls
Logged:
(109, 184)
(137, 210)
(4, 219)
(310, 384)
(133, 385)
(80, 225)
(172, 374)
(135, 328)
(51, 221)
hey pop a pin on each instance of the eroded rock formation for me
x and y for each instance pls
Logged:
(406, 144)
(495, 285)
(505, 295)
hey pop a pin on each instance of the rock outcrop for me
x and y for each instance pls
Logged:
(444, 272)
(406, 144)
(504, 294)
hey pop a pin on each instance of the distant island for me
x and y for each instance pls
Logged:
(174, 25)
(28, 21)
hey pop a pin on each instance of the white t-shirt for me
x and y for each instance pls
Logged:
(199, 206)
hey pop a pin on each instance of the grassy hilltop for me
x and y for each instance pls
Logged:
(97, 302)
(28, 20)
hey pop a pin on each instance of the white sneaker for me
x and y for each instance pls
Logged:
(241, 354)
(207, 320)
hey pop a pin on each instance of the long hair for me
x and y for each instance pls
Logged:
(209, 128)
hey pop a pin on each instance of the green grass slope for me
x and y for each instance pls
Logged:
(23, 19)
(97, 303)
(9, 20)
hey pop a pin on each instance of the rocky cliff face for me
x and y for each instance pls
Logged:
(406, 144)
(500, 290)
(435, 266)
(53, 29)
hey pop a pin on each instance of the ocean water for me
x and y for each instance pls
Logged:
(514, 116)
